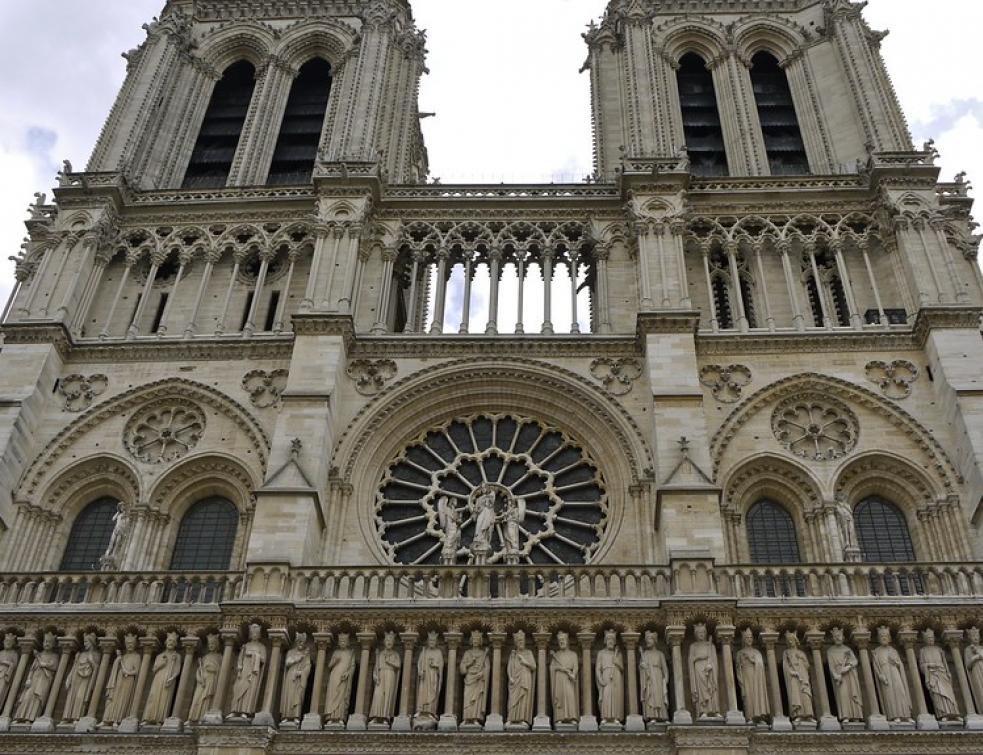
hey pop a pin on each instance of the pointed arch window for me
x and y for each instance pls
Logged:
(827, 293)
(90, 536)
(206, 537)
(218, 139)
(882, 531)
(771, 534)
(725, 294)
(303, 121)
(779, 122)
(701, 117)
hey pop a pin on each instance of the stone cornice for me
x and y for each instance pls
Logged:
(945, 318)
(667, 321)
(424, 347)
(25, 333)
(713, 344)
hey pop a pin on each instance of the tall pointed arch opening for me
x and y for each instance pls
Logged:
(303, 121)
(701, 117)
(779, 122)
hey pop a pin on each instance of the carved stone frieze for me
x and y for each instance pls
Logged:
(815, 427)
(895, 378)
(265, 388)
(78, 391)
(371, 375)
(726, 383)
(617, 375)
(163, 432)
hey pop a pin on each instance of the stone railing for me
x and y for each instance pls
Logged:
(118, 588)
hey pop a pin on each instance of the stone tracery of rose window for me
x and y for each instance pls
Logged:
(490, 489)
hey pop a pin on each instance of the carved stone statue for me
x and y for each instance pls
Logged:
(429, 672)
(609, 670)
(889, 671)
(122, 682)
(843, 665)
(8, 664)
(121, 526)
(938, 680)
(166, 670)
(297, 670)
(81, 679)
(522, 681)
(704, 674)
(752, 679)
(844, 521)
(484, 524)
(653, 674)
(973, 654)
(206, 679)
(34, 694)
(341, 674)
(564, 671)
(385, 677)
(798, 682)
(515, 515)
(450, 522)
(475, 667)
(249, 675)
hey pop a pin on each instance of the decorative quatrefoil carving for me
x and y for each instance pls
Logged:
(78, 392)
(616, 375)
(894, 379)
(815, 427)
(371, 376)
(265, 388)
(164, 431)
(726, 383)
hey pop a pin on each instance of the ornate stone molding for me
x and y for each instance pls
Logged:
(371, 376)
(265, 389)
(726, 383)
(78, 392)
(616, 375)
(164, 431)
(815, 426)
(894, 379)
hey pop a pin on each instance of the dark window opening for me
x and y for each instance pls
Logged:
(842, 309)
(211, 159)
(246, 310)
(159, 314)
(303, 121)
(747, 299)
(90, 536)
(136, 308)
(779, 123)
(814, 302)
(771, 534)
(721, 301)
(884, 538)
(701, 118)
(206, 536)
(271, 311)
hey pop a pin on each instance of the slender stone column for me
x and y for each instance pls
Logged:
(953, 639)
(919, 225)
(448, 721)
(88, 723)
(714, 322)
(210, 259)
(46, 723)
(336, 237)
(216, 714)
(71, 241)
(41, 273)
(735, 284)
(353, 267)
(265, 257)
(882, 316)
(937, 224)
(182, 700)
(419, 258)
(89, 244)
(322, 233)
(27, 647)
(238, 257)
(184, 260)
(642, 232)
(678, 229)
(385, 289)
(155, 262)
(924, 719)
(574, 265)
(601, 256)
(403, 722)
(547, 267)
(634, 722)
(779, 721)
(494, 273)
(816, 640)
(820, 291)
(357, 721)
(520, 261)
(437, 327)
(312, 720)
(267, 715)
(131, 723)
(468, 276)
(495, 721)
(797, 319)
(102, 261)
(725, 638)
(588, 721)
(542, 720)
(681, 715)
(124, 278)
(875, 721)
(855, 319)
(769, 320)
(660, 252)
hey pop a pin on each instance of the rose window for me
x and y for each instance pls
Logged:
(815, 427)
(164, 433)
(492, 489)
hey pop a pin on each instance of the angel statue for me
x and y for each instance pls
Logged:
(450, 522)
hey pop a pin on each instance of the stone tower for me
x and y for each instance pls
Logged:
(298, 450)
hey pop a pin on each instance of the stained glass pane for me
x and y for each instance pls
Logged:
(206, 536)
(90, 536)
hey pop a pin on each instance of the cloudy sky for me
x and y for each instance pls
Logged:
(510, 103)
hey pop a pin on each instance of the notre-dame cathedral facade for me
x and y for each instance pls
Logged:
(301, 452)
